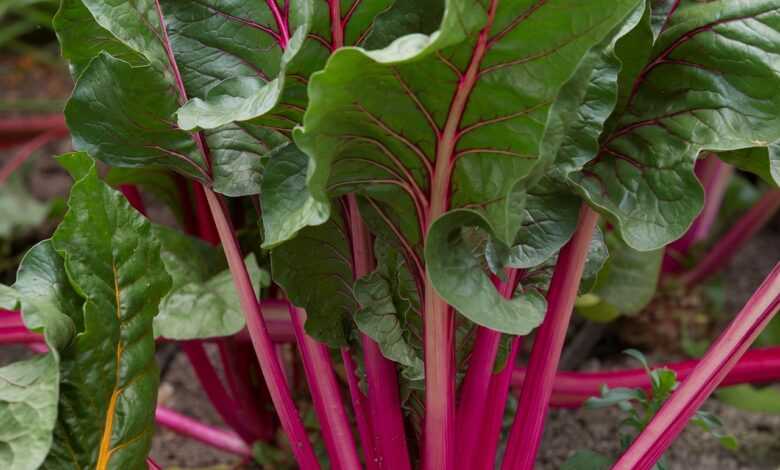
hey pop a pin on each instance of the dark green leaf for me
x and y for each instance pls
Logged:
(315, 270)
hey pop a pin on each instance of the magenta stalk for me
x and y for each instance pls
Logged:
(324, 389)
(714, 175)
(528, 425)
(494, 414)
(745, 228)
(721, 358)
(383, 399)
(571, 389)
(264, 347)
(475, 388)
(19, 335)
(214, 389)
(359, 406)
(151, 464)
(27, 150)
(221, 439)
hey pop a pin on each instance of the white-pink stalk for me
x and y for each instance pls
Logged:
(324, 389)
(721, 357)
(528, 425)
(221, 439)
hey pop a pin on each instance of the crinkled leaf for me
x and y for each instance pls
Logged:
(109, 374)
(380, 121)
(29, 390)
(390, 313)
(459, 277)
(762, 161)
(287, 203)
(627, 282)
(19, 211)
(315, 270)
(28, 411)
(402, 18)
(708, 85)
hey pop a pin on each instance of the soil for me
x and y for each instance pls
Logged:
(566, 430)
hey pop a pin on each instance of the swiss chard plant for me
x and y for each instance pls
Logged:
(403, 189)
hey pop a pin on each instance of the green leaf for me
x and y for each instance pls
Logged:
(662, 12)
(19, 211)
(390, 313)
(315, 270)
(205, 307)
(28, 411)
(82, 38)
(762, 161)
(9, 298)
(382, 137)
(129, 123)
(614, 396)
(109, 374)
(287, 204)
(627, 282)
(691, 96)
(458, 276)
(750, 398)
(587, 460)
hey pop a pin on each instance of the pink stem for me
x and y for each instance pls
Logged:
(325, 394)
(19, 335)
(133, 197)
(281, 24)
(383, 398)
(151, 464)
(205, 223)
(26, 150)
(222, 439)
(476, 385)
(359, 407)
(493, 418)
(215, 390)
(264, 348)
(571, 389)
(32, 125)
(714, 175)
(742, 231)
(527, 428)
(721, 357)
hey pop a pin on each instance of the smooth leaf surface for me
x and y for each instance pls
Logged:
(587, 460)
(459, 278)
(109, 374)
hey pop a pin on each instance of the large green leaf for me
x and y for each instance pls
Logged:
(459, 278)
(708, 85)
(763, 161)
(109, 376)
(315, 270)
(472, 94)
